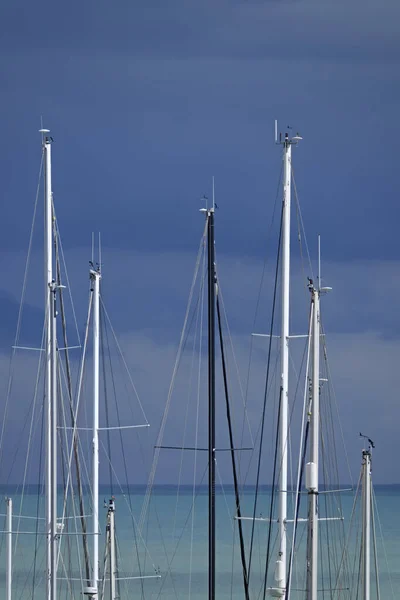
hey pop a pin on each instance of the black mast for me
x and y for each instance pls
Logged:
(211, 405)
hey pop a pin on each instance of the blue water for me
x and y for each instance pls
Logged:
(172, 546)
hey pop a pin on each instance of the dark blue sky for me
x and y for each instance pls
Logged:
(147, 100)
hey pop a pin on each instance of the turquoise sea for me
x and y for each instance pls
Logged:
(172, 544)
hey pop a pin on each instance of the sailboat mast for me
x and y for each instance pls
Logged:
(312, 466)
(9, 549)
(53, 524)
(113, 562)
(95, 278)
(211, 405)
(48, 278)
(280, 571)
(366, 522)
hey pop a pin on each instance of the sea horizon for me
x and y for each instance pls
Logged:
(32, 488)
(172, 545)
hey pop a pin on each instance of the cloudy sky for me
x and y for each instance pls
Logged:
(146, 101)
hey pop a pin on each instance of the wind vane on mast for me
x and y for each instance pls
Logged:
(293, 140)
(370, 442)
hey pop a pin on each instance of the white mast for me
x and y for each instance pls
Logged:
(280, 570)
(366, 521)
(312, 466)
(280, 574)
(113, 562)
(48, 240)
(95, 277)
(9, 549)
(53, 436)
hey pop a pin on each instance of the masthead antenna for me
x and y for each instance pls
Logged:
(322, 290)
(213, 192)
(99, 252)
(276, 131)
(319, 261)
(44, 132)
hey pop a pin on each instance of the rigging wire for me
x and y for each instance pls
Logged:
(20, 310)
(332, 468)
(378, 591)
(228, 329)
(296, 517)
(256, 437)
(333, 395)
(258, 304)
(171, 388)
(272, 502)
(69, 489)
(123, 454)
(232, 452)
(330, 413)
(102, 325)
(79, 395)
(121, 354)
(108, 326)
(60, 254)
(57, 241)
(146, 500)
(332, 543)
(199, 311)
(330, 558)
(32, 429)
(302, 437)
(332, 549)
(345, 550)
(126, 368)
(233, 560)
(121, 489)
(375, 506)
(180, 538)
(38, 507)
(276, 472)
(302, 223)
(60, 440)
(265, 394)
(222, 486)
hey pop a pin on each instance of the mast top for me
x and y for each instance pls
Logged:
(371, 444)
(208, 209)
(94, 271)
(291, 140)
(46, 138)
(287, 139)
